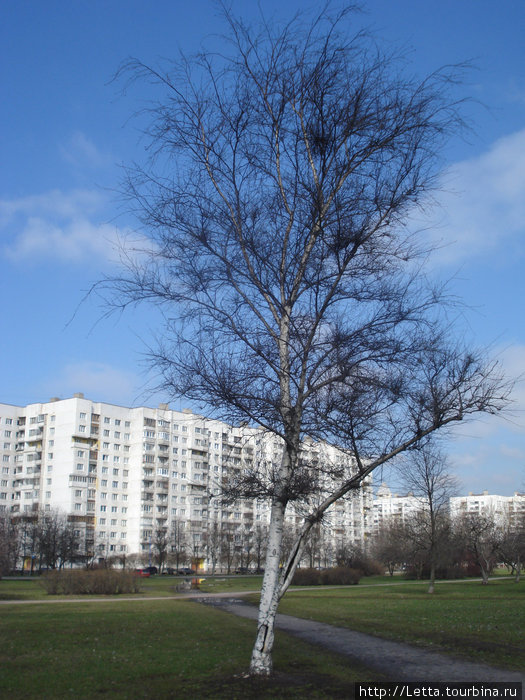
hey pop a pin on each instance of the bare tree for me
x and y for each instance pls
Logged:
(425, 474)
(227, 547)
(179, 544)
(512, 544)
(283, 169)
(58, 542)
(313, 547)
(246, 545)
(481, 539)
(160, 543)
(389, 546)
(213, 544)
(9, 543)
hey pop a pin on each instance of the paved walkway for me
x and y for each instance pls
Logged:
(397, 660)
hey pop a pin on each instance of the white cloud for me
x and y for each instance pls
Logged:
(67, 227)
(55, 203)
(482, 203)
(75, 242)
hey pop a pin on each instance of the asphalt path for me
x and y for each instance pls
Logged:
(397, 660)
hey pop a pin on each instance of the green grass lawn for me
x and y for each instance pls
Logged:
(154, 649)
(155, 586)
(174, 648)
(483, 623)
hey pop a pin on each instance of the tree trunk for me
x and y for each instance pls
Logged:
(261, 663)
(432, 581)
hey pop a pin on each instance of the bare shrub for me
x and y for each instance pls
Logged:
(94, 582)
(338, 576)
(306, 577)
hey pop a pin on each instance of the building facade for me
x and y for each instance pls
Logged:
(392, 507)
(505, 509)
(124, 476)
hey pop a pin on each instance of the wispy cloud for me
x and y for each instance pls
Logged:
(81, 152)
(482, 204)
(98, 381)
(67, 227)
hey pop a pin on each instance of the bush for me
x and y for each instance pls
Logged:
(306, 577)
(355, 558)
(338, 576)
(94, 582)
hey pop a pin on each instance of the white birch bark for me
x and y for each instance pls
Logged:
(261, 663)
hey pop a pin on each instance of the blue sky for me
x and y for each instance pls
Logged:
(65, 129)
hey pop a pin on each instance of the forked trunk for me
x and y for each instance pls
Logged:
(261, 663)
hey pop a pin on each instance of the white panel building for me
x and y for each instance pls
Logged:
(121, 474)
(505, 509)
(388, 506)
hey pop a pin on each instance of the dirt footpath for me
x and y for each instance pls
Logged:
(397, 660)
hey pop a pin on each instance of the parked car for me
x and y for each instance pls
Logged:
(147, 571)
(185, 572)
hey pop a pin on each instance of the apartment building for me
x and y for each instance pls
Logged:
(388, 506)
(392, 507)
(121, 474)
(505, 509)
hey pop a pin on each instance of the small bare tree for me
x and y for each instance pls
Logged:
(283, 169)
(512, 544)
(425, 474)
(160, 543)
(213, 544)
(9, 543)
(390, 545)
(178, 542)
(480, 538)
